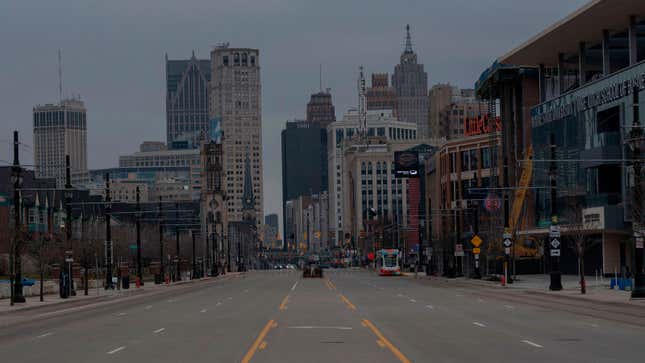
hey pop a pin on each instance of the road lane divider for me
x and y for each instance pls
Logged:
(385, 342)
(116, 350)
(532, 344)
(45, 335)
(259, 341)
(479, 324)
(347, 302)
(159, 330)
(330, 285)
(293, 288)
(283, 304)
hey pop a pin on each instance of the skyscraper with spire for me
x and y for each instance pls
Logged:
(410, 82)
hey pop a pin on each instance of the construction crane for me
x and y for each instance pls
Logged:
(362, 104)
(520, 192)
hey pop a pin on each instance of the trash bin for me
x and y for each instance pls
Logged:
(126, 282)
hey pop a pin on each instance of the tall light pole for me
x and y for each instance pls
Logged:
(637, 201)
(138, 225)
(16, 177)
(192, 232)
(178, 272)
(69, 255)
(108, 235)
(554, 230)
(161, 268)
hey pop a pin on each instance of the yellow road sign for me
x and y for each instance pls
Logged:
(477, 250)
(476, 241)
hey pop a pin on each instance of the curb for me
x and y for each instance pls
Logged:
(132, 293)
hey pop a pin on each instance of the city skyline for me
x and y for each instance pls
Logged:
(138, 88)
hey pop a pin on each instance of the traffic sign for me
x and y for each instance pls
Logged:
(507, 250)
(507, 235)
(508, 242)
(477, 250)
(555, 252)
(639, 242)
(459, 249)
(69, 259)
(555, 243)
(476, 241)
(554, 231)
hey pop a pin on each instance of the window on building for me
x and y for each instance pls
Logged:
(608, 120)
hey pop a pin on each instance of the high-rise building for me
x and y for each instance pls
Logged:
(320, 108)
(381, 123)
(449, 109)
(271, 220)
(235, 102)
(439, 97)
(187, 99)
(304, 160)
(61, 130)
(381, 96)
(410, 82)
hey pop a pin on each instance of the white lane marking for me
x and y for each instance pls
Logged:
(218, 303)
(430, 307)
(412, 300)
(294, 286)
(321, 327)
(400, 295)
(45, 335)
(509, 306)
(116, 350)
(203, 310)
(459, 295)
(121, 314)
(531, 343)
(171, 300)
(159, 330)
(593, 325)
(148, 307)
(230, 298)
(247, 290)
(480, 300)
(479, 324)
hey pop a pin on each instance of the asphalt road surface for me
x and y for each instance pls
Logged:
(348, 316)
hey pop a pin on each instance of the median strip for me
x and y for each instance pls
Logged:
(259, 341)
(383, 341)
(347, 302)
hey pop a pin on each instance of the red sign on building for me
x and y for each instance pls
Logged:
(481, 125)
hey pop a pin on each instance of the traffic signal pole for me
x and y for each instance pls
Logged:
(554, 231)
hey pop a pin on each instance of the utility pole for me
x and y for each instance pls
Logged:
(215, 254)
(161, 268)
(108, 235)
(17, 295)
(507, 237)
(69, 256)
(177, 273)
(138, 216)
(192, 232)
(554, 230)
(637, 201)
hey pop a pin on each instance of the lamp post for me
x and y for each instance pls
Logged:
(161, 268)
(16, 178)
(138, 225)
(108, 235)
(636, 137)
(178, 272)
(554, 230)
(69, 255)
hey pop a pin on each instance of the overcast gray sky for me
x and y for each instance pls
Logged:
(113, 56)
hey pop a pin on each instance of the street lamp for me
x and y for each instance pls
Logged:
(635, 142)
(16, 180)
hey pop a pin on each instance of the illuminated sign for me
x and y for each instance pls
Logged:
(406, 164)
(481, 125)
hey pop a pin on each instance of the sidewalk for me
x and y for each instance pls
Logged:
(94, 295)
(597, 290)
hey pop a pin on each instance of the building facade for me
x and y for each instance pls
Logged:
(187, 83)
(574, 86)
(235, 101)
(380, 96)
(410, 82)
(308, 226)
(340, 134)
(320, 108)
(61, 130)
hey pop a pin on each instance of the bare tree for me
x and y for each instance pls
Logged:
(579, 233)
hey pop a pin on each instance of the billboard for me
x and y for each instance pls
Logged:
(406, 164)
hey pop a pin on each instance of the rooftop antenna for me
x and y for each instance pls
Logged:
(362, 104)
(408, 40)
(60, 77)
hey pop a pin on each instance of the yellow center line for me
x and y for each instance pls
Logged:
(383, 340)
(330, 285)
(259, 340)
(347, 302)
(283, 305)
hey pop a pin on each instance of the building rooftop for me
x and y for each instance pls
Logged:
(583, 25)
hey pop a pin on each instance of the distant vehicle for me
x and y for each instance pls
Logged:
(25, 281)
(312, 267)
(389, 262)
